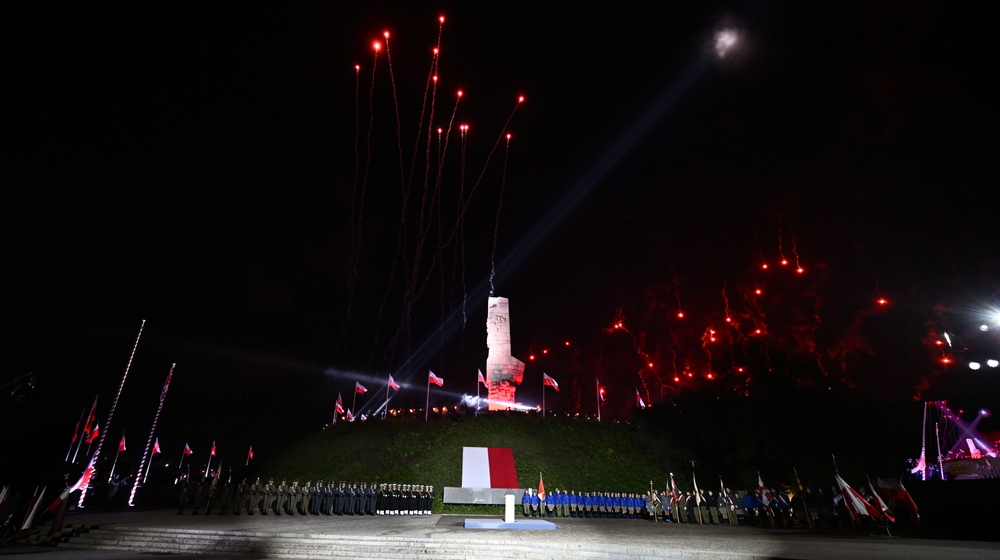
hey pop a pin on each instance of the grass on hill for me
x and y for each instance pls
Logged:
(572, 454)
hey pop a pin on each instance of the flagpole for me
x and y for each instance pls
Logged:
(478, 398)
(427, 406)
(115, 462)
(93, 411)
(354, 403)
(598, 382)
(208, 465)
(111, 413)
(149, 441)
(76, 433)
(543, 394)
(385, 408)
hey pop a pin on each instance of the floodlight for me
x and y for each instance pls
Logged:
(974, 365)
(992, 363)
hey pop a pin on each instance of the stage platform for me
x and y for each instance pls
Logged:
(499, 523)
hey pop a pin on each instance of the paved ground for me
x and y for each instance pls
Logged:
(680, 539)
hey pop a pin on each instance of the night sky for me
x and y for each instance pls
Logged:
(194, 166)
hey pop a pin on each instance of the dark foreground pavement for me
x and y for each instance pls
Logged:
(614, 535)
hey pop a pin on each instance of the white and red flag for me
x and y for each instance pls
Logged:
(541, 488)
(340, 405)
(156, 446)
(76, 430)
(36, 504)
(894, 491)
(187, 449)
(638, 398)
(350, 417)
(94, 434)
(765, 495)
(121, 444)
(213, 448)
(393, 384)
(250, 453)
(431, 378)
(92, 418)
(482, 379)
(673, 488)
(488, 467)
(547, 380)
(359, 388)
(855, 503)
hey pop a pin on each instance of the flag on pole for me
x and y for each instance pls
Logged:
(697, 493)
(482, 379)
(765, 495)
(35, 506)
(121, 444)
(359, 388)
(893, 490)
(879, 503)
(250, 453)
(673, 488)
(156, 446)
(541, 488)
(213, 448)
(340, 405)
(547, 380)
(639, 402)
(76, 429)
(94, 434)
(393, 384)
(92, 418)
(187, 449)
(350, 417)
(431, 378)
(856, 505)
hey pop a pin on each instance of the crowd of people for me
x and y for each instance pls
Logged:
(321, 498)
(760, 508)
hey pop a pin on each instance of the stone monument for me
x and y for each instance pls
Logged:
(503, 371)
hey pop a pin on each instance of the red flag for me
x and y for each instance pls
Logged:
(547, 380)
(213, 448)
(855, 503)
(431, 378)
(673, 488)
(121, 444)
(765, 496)
(893, 490)
(393, 384)
(94, 434)
(879, 504)
(340, 405)
(541, 487)
(483, 379)
(639, 400)
(350, 417)
(91, 419)
(187, 449)
(359, 388)
(156, 446)
(250, 454)
(76, 430)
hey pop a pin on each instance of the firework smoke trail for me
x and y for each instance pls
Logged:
(760, 250)
(352, 267)
(395, 103)
(677, 293)
(781, 250)
(496, 228)
(795, 253)
(461, 196)
(354, 197)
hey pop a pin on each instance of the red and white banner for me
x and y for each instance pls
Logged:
(393, 384)
(187, 449)
(213, 448)
(156, 446)
(431, 378)
(547, 380)
(94, 434)
(121, 444)
(638, 398)
(488, 467)
(359, 388)
(482, 379)
(340, 405)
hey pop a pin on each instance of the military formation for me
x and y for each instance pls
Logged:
(321, 498)
(569, 503)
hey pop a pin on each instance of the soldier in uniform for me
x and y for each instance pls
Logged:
(281, 497)
(200, 494)
(317, 498)
(242, 495)
(214, 493)
(186, 488)
(305, 496)
(294, 496)
(255, 490)
(227, 494)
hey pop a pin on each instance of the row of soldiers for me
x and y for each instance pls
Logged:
(308, 499)
(585, 504)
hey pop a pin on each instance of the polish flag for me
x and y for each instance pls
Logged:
(855, 503)
(482, 379)
(639, 400)
(541, 488)
(213, 448)
(187, 449)
(488, 467)
(359, 388)
(250, 453)
(94, 434)
(121, 444)
(673, 488)
(765, 496)
(91, 419)
(156, 446)
(76, 430)
(340, 405)
(393, 384)
(893, 490)
(547, 380)
(431, 378)
(350, 417)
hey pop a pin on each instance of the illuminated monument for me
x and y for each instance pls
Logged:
(503, 371)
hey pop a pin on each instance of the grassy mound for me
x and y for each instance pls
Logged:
(577, 454)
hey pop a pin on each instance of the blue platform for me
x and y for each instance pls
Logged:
(499, 523)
